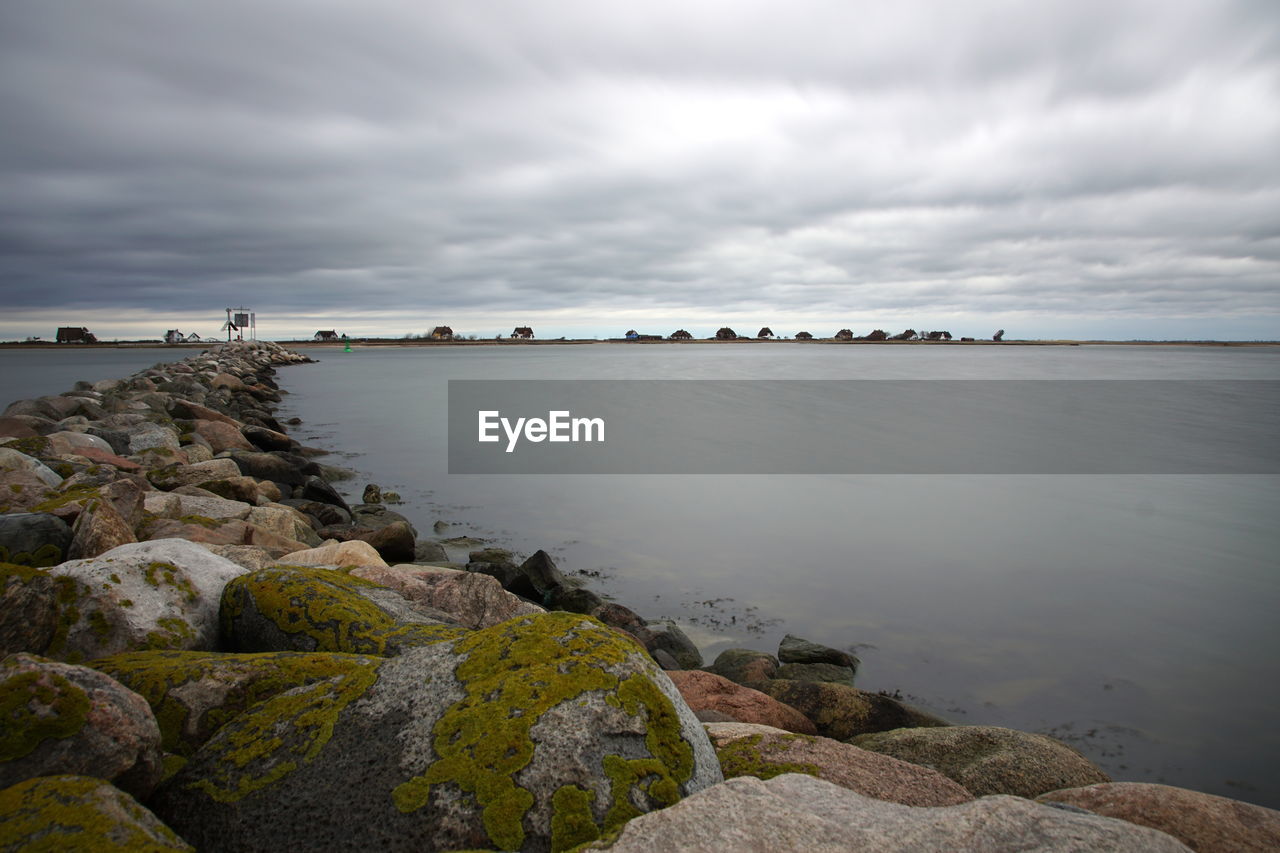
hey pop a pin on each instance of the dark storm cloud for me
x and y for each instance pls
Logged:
(1069, 158)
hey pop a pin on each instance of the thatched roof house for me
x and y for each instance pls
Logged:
(766, 332)
(803, 336)
(878, 335)
(844, 335)
(442, 333)
(75, 335)
(522, 332)
(681, 335)
(906, 335)
(726, 334)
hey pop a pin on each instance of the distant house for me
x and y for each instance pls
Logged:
(193, 338)
(522, 332)
(726, 334)
(327, 336)
(998, 336)
(905, 335)
(442, 333)
(173, 336)
(766, 332)
(803, 336)
(632, 335)
(938, 336)
(878, 335)
(75, 335)
(681, 335)
(844, 335)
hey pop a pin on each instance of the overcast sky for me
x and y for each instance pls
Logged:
(1077, 168)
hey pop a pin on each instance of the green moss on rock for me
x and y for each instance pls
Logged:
(515, 672)
(742, 758)
(50, 814)
(164, 678)
(318, 610)
(36, 706)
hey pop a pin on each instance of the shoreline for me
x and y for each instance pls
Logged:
(213, 494)
(359, 343)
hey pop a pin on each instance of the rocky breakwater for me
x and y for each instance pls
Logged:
(207, 648)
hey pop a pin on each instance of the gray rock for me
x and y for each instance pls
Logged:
(316, 489)
(149, 436)
(536, 733)
(989, 759)
(98, 529)
(72, 719)
(12, 460)
(275, 467)
(795, 649)
(668, 637)
(377, 516)
(471, 600)
(816, 672)
(159, 594)
(538, 577)
(797, 812)
(33, 539)
(425, 551)
(743, 665)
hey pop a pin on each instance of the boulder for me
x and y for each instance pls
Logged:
(251, 557)
(146, 595)
(77, 442)
(705, 691)
(473, 600)
(61, 718)
(799, 812)
(429, 552)
(372, 494)
(35, 539)
(22, 491)
(317, 489)
(16, 428)
(99, 457)
(98, 529)
(324, 514)
(795, 649)
(150, 436)
(841, 712)
(177, 505)
(744, 665)
(538, 577)
(538, 733)
(342, 554)
(244, 489)
(194, 411)
(293, 608)
(193, 694)
(667, 636)
(219, 531)
(13, 460)
(816, 672)
(279, 468)
(36, 609)
(989, 759)
(80, 813)
(574, 597)
(267, 439)
(222, 436)
(375, 516)
(1200, 821)
(195, 474)
(768, 753)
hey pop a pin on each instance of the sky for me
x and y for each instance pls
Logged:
(1075, 169)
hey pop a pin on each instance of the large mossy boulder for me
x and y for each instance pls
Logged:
(162, 594)
(193, 694)
(80, 813)
(989, 759)
(303, 609)
(840, 711)
(37, 610)
(539, 733)
(60, 718)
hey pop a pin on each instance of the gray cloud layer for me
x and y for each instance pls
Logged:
(1106, 159)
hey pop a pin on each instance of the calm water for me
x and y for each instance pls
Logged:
(1134, 616)
(27, 373)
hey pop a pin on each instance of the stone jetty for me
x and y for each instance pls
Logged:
(205, 646)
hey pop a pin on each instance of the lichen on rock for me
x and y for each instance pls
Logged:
(79, 813)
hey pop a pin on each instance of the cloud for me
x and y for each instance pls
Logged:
(1074, 159)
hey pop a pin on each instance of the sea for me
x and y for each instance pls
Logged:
(1134, 616)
